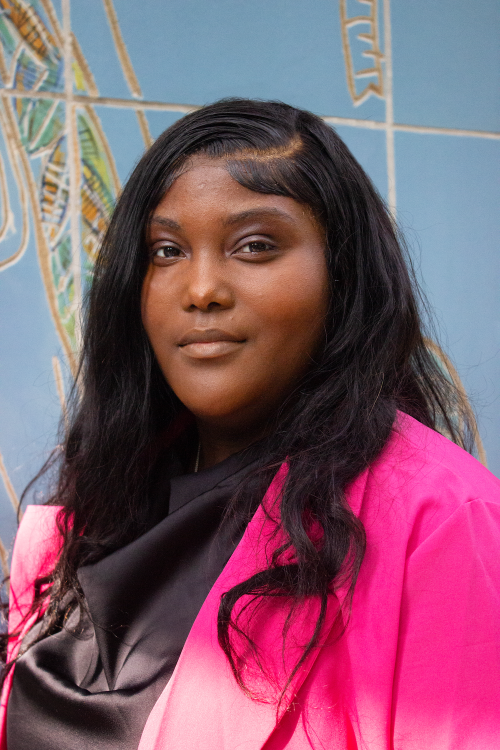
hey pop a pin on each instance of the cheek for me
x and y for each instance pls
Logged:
(295, 306)
(154, 308)
(147, 300)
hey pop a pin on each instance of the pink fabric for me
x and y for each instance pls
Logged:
(418, 666)
(35, 551)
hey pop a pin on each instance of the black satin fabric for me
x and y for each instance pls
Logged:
(93, 689)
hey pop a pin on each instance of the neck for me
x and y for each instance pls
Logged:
(215, 446)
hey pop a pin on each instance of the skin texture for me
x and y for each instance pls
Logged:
(233, 302)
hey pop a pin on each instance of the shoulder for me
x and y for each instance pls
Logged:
(37, 531)
(429, 460)
(37, 542)
(420, 480)
(35, 552)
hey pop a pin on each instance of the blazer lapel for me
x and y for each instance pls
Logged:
(202, 705)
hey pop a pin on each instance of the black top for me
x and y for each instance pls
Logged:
(94, 688)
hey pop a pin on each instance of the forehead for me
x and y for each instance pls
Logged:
(205, 190)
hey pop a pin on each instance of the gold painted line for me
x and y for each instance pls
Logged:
(121, 50)
(144, 127)
(4, 73)
(58, 377)
(4, 562)
(367, 72)
(9, 486)
(42, 248)
(23, 199)
(346, 49)
(94, 118)
(44, 123)
(356, 20)
(7, 215)
(85, 68)
(52, 16)
(372, 37)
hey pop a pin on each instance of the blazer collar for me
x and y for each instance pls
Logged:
(202, 705)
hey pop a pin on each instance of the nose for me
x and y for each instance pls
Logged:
(207, 286)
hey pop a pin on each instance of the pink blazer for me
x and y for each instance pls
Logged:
(418, 665)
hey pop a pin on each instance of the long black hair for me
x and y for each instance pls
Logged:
(374, 361)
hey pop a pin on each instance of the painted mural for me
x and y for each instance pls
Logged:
(58, 176)
(48, 144)
(360, 41)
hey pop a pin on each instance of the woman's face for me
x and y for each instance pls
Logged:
(235, 296)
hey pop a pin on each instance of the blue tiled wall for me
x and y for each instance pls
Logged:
(429, 138)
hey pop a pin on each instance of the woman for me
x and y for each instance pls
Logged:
(258, 537)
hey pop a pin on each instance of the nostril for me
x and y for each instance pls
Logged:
(210, 307)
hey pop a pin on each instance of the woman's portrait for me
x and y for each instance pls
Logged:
(266, 522)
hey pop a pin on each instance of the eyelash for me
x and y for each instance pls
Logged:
(164, 248)
(266, 248)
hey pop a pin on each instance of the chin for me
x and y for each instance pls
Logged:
(225, 414)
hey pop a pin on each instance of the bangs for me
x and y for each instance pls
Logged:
(279, 170)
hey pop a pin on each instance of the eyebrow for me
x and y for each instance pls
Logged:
(251, 213)
(164, 222)
(258, 213)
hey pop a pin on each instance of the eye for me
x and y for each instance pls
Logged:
(255, 247)
(165, 254)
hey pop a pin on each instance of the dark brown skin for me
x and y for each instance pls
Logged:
(233, 302)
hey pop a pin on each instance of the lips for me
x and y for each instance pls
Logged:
(207, 336)
(209, 343)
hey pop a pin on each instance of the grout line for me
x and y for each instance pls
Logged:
(110, 101)
(353, 122)
(389, 111)
(106, 101)
(73, 157)
(430, 130)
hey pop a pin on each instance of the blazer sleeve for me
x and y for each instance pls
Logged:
(447, 678)
(36, 549)
(35, 552)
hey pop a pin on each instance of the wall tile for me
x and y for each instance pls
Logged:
(446, 59)
(369, 148)
(448, 197)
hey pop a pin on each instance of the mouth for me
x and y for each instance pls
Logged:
(209, 343)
